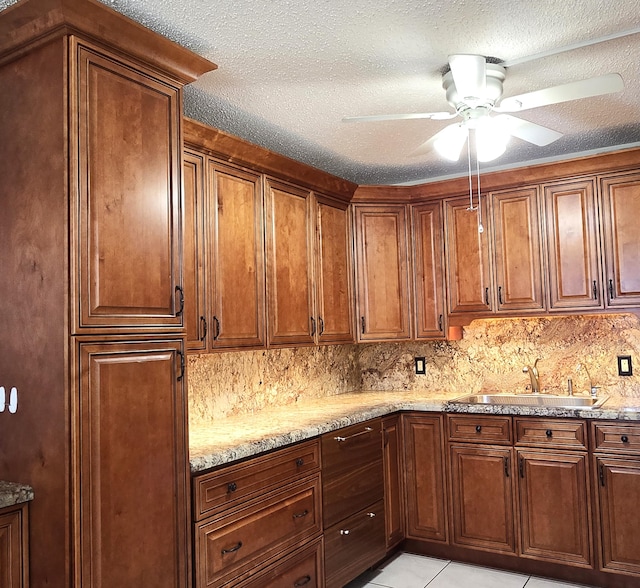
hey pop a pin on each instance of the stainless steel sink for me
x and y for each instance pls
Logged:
(533, 400)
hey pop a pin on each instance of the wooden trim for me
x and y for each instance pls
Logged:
(32, 21)
(232, 149)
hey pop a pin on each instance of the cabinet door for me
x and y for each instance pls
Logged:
(621, 238)
(334, 291)
(236, 258)
(518, 250)
(468, 266)
(393, 481)
(128, 226)
(428, 249)
(573, 246)
(482, 500)
(194, 261)
(618, 488)
(14, 564)
(382, 271)
(554, 507)
(289, 265)
(131, 498)
(425, 478)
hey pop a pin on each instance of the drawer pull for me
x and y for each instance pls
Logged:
(371, 515)
(624, 439)
(232, 549)
(299, 515)
(344, 531)
(299, 462)
(478, 428)
(302, 581)
(342, 439)
(232, 487)
(549, 433)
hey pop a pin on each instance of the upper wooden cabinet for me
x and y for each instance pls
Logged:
(468, 258)
(573, 246)
(382, 272)
(127, 215)
(519, 282)
(428, 271)
(621, 239)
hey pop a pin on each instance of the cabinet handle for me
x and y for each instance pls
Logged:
(549, 433)
(506, 467)
(362, 324)
(611, 296)
(344, 531)
(521, 467)
(203, 324)
(624, 439)
(299, 462)
(486, 296)
(300, 515)
(371, 515)
(216, 333)
(321, 322)
(232, 487)
(601, 475)
(499, 294)
(440, 323)
(478, 428)
(342, 439)
(181, 376)
(181, 292)
(313, 326)
(302, 581)
(232, 549)
(595, 290)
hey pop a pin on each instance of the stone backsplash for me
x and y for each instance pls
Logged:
(490, 357)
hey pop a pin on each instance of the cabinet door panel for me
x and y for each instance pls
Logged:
(236, 266)
(518, 254)
(132, 452)
(428, 271)
(554, 506)
(129, 197)
(393, 478)
(383, 280)
(573, 246)
(289, 265)
(621, 211)
(334, 288)
(13, 562)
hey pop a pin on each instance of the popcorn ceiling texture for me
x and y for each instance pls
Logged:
(490, 357)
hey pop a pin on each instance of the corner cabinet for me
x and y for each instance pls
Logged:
(382, 261)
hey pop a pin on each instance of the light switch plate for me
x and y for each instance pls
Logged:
(624, 365)
(421, 368)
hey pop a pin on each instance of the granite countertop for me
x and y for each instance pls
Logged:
(12, 494)
(233, 438)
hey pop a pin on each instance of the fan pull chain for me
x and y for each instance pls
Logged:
(470, 173)
(480, 225)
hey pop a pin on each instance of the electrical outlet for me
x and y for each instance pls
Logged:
(624, 365)
(421, 368)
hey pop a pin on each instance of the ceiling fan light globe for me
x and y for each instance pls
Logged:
(492, 137)
(450, 141)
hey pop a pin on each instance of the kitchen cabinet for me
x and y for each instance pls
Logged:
(352, 501)
(428, 271)
(382, 261)
(621, 239)
(616, 462)
(426, 495)
(252, 519)
(14, 546)
(573, 246)
(392, 459)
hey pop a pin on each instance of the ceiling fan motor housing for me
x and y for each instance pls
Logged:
(495, 75)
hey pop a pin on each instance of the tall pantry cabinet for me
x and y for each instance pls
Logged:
(93, 334)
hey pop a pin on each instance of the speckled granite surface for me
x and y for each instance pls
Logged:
(240, 436)
(12, 493)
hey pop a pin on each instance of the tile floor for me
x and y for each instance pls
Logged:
(415, 571)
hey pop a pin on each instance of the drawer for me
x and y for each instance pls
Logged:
(229, 486)
(302, 568)
(353, 545)
(231, 546)
(480, 429)
(616, 437)
(561, 433)
(351, 447)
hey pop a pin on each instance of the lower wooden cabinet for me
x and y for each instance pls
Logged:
(14, 547)
(393, 480)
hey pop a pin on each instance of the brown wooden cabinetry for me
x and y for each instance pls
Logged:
(14, 546)
(427, 505)
(382, 262)
(428, 271)
(393, 462)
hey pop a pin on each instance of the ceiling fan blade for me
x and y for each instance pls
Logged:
(607, 84)
(469, 76)
(528, 131)
(377, 117)
(450, 134)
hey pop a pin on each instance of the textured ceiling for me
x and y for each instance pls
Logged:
(289, 70)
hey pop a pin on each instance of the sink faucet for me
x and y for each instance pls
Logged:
(533, 376)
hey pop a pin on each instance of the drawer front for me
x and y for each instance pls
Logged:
(480, 429)
(616, 437)
(229, 547)
(560, 433)
(229, 486)
(353, 545)
(351, 447)
(302, 569)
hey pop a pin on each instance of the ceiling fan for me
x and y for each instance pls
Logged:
(473, 86)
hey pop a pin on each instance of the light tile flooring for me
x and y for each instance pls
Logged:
(415, 571)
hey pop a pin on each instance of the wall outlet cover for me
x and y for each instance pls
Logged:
(625, 367)
(421, 367)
